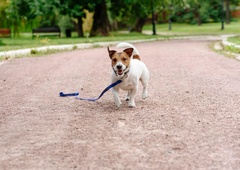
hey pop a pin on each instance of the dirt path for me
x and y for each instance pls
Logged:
(190, 121)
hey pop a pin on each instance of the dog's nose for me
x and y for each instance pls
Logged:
(119, 67)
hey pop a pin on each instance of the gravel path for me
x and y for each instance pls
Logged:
(191, 119)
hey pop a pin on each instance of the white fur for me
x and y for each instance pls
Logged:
(127, 45)
(137, 71)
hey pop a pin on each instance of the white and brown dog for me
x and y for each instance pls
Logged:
(128, 67)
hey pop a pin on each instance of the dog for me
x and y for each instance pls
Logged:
(128, 66)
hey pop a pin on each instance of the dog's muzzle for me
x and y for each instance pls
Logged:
(119, 70)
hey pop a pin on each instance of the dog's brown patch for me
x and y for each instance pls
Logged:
(129, 51)
(136, 56)
(123, 57)
(111, 52)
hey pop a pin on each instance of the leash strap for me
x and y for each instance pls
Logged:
(91, 99)
(104, 91)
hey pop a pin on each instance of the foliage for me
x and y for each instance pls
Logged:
(65, 22)
(24, 12)
(132, 13)
(13, 16)
(109, 14)
(74, 9)
(4, 21)
(46, 10)
(198, 11)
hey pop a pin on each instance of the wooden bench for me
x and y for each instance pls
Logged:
(46, 31)
(5, 33)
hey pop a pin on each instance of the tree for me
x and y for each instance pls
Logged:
(140, 12)
(14, 14)
(198, 12)
(4, 21)
(228, 4)
(133, 13)
(153, 18)
(101, 23)
(122, 16)
(169, 7)
(75, 9)
(46, 10)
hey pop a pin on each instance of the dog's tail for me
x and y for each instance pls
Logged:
(128, 45)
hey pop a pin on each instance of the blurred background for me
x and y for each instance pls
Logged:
(85, 18)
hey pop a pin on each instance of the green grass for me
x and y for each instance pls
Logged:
(235, 40)
(232, 49)
(26, 41)
(204, 29)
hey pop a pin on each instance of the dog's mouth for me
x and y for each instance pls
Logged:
(120, 72)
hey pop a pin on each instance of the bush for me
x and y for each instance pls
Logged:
(65, 23)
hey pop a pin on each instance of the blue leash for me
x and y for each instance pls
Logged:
(61, 94)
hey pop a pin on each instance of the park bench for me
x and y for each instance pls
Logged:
(46, 31)
(5, 32)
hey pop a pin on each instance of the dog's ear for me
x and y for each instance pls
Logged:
(129, 51)
(111, 52)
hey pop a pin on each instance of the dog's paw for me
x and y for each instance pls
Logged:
(144, 96)
(117, 107)
(131, 104)
(144, 93)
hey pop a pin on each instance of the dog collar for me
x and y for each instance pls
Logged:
(127, 70)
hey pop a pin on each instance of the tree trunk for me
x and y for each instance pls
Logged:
(199, 20)
(169, 23)
(139, 25)
(227, 12)
(198, 15)
(79, 27)
(101, 24)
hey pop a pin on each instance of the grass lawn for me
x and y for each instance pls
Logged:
(25, 40)
(204, 29)
(235, 40)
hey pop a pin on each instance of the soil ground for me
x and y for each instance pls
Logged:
(191, 119)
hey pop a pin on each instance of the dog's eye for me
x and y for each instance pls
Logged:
(114, 60)
(124, 59)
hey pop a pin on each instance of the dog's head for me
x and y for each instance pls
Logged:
(120, 60)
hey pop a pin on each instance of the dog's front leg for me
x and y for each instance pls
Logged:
(131, 97)
(127, 98)
(116, 97)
